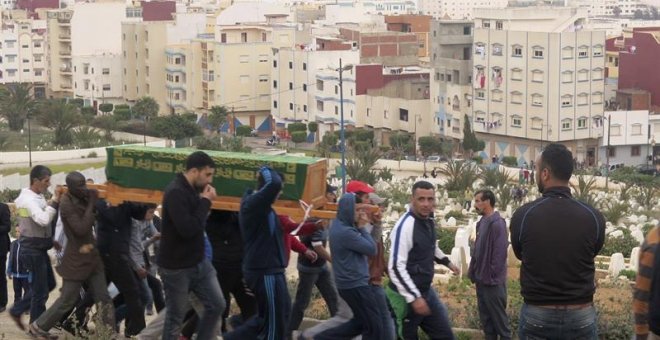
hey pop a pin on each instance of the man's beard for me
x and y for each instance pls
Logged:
(540, 186)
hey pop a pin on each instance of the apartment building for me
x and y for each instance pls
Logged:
(638, 51)
(626, 8)
(84, 44)
(417, 24)
(144, 54)
(537, 77)
(23, 54)
(456, 9)
(630, 135)
(451, 77)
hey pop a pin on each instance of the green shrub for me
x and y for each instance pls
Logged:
(105, 108)
(455, 214)
(647, 228)
(299, 136)
(79, 102)
(615, 210)
(243, 131)
(510, 161)
(453, 194)
(623, 244)
(478, 159)
(293, 127)
(92, 154)
(8, 195)
(629, 274)
(313, 127)
(386, 174)
(122, 113)
(88, 111)
(446, 239)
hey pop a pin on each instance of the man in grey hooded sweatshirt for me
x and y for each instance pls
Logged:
(350, 245)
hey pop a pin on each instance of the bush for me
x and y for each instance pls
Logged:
(9, 195)
(455, 214)
(122, 113)
(243, 131)
(88, 111)
(629, 274)
(92, 154)
(615, 210)
(385, 174)
(623, 244)
(478, 159)
(105, 108)
(510, 161)
(313, 127)
(446, 239)
(293, 127)
(79, 102)
(299, 136)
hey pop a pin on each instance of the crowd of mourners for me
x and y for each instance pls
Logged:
(188, 264)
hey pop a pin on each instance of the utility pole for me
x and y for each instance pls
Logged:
(607, 152)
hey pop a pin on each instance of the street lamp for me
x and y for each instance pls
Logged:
(342, 139)
(418, 117)
(29, 112)
(607, 151)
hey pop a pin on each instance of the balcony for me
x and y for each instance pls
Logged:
(65, 53)
(65, 37)
(66, 86)
(65, 69)
(455, 39)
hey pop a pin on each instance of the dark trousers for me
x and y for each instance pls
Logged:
(42, 281)
(21, 288)
(306, 281)
(231, 282)
(273, 305)
(436, 325)
(157, 292)
(3, 281)
(365, 321)
(492, 311)
(119, 272)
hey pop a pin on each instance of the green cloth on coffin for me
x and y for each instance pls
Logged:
(153, 168)
(399, 306)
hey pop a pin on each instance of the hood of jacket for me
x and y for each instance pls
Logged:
(346, 210)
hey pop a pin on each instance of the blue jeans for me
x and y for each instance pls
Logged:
(42, 281)
(436, 325)
(202, 281)
(363, 304)
(145, 293)
(546, 323)
(306, 281)
(384, 310)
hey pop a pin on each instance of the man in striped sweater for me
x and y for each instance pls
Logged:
(646, 304)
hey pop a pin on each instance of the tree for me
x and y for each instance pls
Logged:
(328, 144)
(16, 102)
(429, 145)
(617, 11)
(243, 131)
(293, 127)
(313, 127)
(299, 136)
(401, 144)
(108, 124)
(60, 116)
(175, 127)
(638, 14)
(122, 113)
(86, 137)
(217, 117)
(106, 108)
(146, 107)
(360, 161)
(470, 141)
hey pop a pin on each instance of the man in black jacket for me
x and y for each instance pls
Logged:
(557, 238)
(5, 227)
(183, 267)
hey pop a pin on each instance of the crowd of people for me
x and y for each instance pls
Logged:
(192, 261)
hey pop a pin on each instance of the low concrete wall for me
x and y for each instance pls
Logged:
(49, 156)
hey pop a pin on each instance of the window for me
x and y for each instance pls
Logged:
(499, 25)
(244, 59)
(516, 97)
(480, 116)
(274, 84)
(275, 104)
(583, 99)
(583, 75)
(516, 74)
(290, 65)
(27, 70)
(567, 77)
(583, 52)
(105, 71)
(319, 105)
(516, 51)
(10, 44)
(403, 115)
(485, 24)
(291, 106)
(467, 30)
(264, 58)
(319, 85)
(25, 61)
(497, 49)
(25, 46)
(304, 87)
(615, 130)
(597, 98)
(245, 79)
(635, 150)
(537, 76)
(567, 52)
(636, 130)
(244, 37)
(481, 95)
(264, 37)
(582, 123)
(275, 63)
(566, 100)
(612, 151)
(304, 66)
(336, 110)
(37, 44)
(496, 96)
(106, 87)
(537, 123)
(385, 114)
(304, 108)
(290, 86)
(566, 124)
(263, 78)
(537, 100)
(598, 51)
(597, 74)
(38, 73)
(538, 52)
(516, 121)
(11, 58)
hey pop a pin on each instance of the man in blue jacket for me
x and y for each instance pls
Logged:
(264, 261)
(350, 245)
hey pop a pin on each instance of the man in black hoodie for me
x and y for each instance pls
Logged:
(264, 261)
(557, 238)
(183, 267)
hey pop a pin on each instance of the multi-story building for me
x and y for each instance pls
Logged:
(22, 54)
(85, 62)
(451, 77)
(611, 7)
(457, 9)
(537, 78)
(629, 139)
(638, 51)
(417, 24)
(144, 56)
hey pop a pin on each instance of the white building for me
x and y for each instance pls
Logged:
(607, 7)
(630, 136)
(456, 9)
(22, 53)
(537, 77)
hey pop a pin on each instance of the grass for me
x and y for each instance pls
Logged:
(18, 142)
(55, 168)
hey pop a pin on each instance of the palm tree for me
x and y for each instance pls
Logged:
(494, 177)
(584, 188)
(460, 175)
(16, 102)
(60, 116)
(360, 161)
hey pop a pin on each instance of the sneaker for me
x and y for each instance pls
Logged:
(17, 321)
(37, 333)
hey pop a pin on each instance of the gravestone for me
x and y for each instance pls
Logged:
(638, 235)
(617, 264)
(634, 259)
